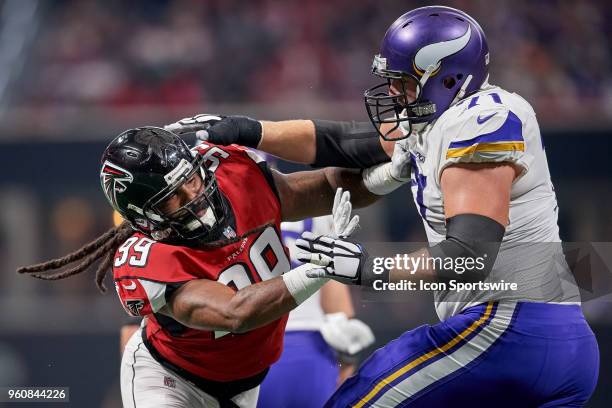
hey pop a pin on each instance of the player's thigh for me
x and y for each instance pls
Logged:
(145, 383)
(416, 353)
(517, 355)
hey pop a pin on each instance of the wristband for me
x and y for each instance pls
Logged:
(378, 179)
(301, 286)
(250, 131)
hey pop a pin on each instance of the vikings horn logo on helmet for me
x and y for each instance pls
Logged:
(114, 180)
(433, 54)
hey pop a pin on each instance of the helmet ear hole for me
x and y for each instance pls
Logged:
(449, 82)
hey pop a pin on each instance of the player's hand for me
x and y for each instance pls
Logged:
(341, 260)
(240, 130)
(400, 162)
(346, 336)
(195, 124)
(344, 225)
(387, 177)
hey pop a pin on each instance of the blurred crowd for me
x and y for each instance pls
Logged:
(113, 53)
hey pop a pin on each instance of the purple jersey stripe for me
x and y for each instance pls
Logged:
(510, 131)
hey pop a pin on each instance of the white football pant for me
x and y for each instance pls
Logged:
(147, 384)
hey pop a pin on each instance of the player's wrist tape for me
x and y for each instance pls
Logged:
(378, 179)
(301, 286)
(250, 131)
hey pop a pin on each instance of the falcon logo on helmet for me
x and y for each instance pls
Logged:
(114, 180)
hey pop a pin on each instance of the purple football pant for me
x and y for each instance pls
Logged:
(490, 355)
(304, 377)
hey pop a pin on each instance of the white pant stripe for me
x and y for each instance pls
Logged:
(450, 363)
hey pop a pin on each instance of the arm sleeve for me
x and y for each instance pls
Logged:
(347, 144)
(468, 236)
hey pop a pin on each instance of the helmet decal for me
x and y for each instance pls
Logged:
(114, 180)
(177, 174)
(433, 54)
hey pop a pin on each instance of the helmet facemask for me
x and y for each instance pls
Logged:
(400, 107)
(200, 219)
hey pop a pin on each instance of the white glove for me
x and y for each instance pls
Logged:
(347, 336)
(387, 177)
(344, 225)
(342, 260)
(197, 124)
(400, 161)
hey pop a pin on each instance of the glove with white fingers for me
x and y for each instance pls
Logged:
(341, 260)
(221, 130)
(343, 224)
(195, 124)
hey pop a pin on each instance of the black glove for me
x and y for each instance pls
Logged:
(222, 130)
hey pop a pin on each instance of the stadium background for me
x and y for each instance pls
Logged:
(75, 73)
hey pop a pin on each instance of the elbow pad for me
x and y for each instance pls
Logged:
(468, 236)
(347, 144)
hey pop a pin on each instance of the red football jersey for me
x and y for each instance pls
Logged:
(145, 273)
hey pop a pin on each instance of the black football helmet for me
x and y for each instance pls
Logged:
(143, 167)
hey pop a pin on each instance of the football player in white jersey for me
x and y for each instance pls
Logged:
(480, 181)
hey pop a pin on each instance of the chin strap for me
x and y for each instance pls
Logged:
(462, 90)
(431, 68)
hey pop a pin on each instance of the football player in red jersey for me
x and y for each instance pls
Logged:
(201, 257)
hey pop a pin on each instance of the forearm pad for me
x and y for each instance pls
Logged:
(347, 144)
(468, 236)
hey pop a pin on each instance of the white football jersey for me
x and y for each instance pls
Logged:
(495, 125)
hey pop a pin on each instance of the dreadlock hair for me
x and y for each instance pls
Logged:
(103, 247)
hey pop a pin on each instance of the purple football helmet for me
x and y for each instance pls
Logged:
(429, 57)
